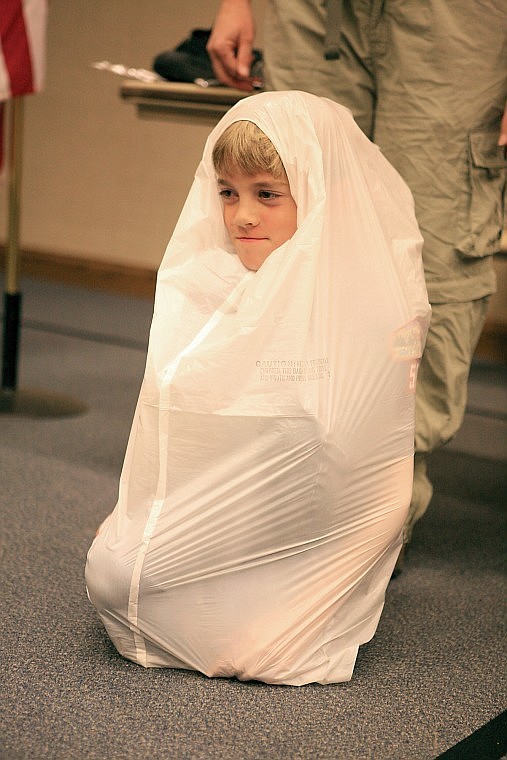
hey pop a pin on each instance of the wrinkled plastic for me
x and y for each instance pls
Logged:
(269, 467)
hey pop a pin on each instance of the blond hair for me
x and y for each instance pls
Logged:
(244, 148)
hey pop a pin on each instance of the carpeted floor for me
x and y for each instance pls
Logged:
(433, 674)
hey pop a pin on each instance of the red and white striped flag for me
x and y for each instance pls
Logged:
(22, 48)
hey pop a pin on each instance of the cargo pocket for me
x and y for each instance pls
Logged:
(480, 213)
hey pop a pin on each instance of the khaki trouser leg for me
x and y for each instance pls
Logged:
(441, 393)
(422, 492)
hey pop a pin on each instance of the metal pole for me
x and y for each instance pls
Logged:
(32, 403)
(12, 297)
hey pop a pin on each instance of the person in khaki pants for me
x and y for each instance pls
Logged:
(428, 83)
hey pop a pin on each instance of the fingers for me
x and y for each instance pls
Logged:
(227, 66)
(502, 139)
(244, 58)
(230, 44)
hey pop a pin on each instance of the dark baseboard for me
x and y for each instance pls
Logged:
(140, 281)
(87, 273)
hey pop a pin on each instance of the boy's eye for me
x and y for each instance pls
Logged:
(226, 194)
(267, 195)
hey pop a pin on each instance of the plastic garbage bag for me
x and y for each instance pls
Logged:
(269, 467)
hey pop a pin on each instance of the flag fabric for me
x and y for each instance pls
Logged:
(22, 47)
(22, 51)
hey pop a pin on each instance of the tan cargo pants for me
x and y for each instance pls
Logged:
(427, 82)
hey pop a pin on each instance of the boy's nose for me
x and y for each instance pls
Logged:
(246, 215)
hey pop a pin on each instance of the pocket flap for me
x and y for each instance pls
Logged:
(485, 151)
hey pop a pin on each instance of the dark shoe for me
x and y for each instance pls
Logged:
(190, 60)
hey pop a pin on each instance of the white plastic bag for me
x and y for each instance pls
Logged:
(269, 467)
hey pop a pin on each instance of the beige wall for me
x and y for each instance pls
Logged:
(99, 182)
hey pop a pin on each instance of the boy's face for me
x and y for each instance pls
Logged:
(259, 213)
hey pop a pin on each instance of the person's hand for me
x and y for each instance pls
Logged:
(230, 44)
(502, 140)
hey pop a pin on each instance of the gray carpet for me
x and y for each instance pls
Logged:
(432, 675)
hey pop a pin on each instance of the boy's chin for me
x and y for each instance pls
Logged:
(252, 266)
(252, 261)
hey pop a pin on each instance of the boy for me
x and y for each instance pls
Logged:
(269, 468)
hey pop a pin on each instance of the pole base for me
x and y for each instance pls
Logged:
(28, 402)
